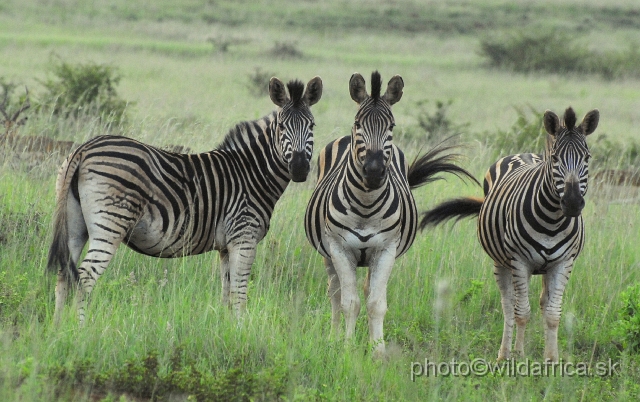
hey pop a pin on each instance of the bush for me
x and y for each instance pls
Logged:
(433, 126)
(556, 52)
(627, 328)
(612, 154)
(286, 50)
(258, 84)
(85, 89)
(525, 135)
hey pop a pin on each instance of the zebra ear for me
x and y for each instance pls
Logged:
(313, 93)
(590, 122)
(394, 90)
(551, 122)
(277, 92)
(357, 88)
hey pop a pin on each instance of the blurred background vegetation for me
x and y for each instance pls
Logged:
(180, 73)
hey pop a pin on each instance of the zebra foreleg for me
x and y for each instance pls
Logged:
(553, 285)
(334, 294)
(379, 271)
(241, 257)
(345, 267)
(504, 279)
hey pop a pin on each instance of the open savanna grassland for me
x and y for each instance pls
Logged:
(157, 327)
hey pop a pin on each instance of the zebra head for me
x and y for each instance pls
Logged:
(569, 157)
(294, 123)
(372, 132)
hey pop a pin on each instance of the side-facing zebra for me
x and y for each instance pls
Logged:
(164, 204)
(362, 212)
(530, 223)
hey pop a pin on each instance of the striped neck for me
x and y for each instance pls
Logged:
(255, 146)
(547, 195)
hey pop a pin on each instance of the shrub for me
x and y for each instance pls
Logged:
(613, 154)
(85, 89)
(525, 135)
(556, 52)
(627, 328)
(286, 50)
(258, 84)
(433, 126)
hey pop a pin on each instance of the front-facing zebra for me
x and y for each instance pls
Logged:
(530, 223)
(163, 204)
(362, 212)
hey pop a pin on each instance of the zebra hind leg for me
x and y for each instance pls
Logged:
(553, 285)
(241, 257)
(334, 294)
(507, 298)
(521, 279)
(76, 240)
(225, 276)
(95, 262)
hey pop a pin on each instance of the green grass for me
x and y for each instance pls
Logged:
(187, 94)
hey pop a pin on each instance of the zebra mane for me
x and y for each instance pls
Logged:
(376, 84)
(242, 132)
(296, 90)
(569, 118)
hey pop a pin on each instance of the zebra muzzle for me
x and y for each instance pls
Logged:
(572, 200)
(374, 169)
(299, 166)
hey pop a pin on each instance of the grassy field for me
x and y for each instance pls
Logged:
(157, 325)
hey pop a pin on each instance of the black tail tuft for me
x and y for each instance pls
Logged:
(424, 168)
(458, 208)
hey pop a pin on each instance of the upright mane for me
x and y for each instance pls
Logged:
(569, 118)
(376, 84)
(296, 90)
(236, 134)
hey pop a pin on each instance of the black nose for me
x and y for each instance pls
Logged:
(572, 201)
(299, 166)
(374, 169)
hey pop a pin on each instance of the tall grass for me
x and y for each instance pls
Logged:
(443, 305)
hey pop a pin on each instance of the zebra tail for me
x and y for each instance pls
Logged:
(424, 169)
(458, 208)
(59, 255)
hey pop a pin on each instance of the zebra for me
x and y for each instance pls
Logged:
(163, 204)
(530, 223)
(362, 212)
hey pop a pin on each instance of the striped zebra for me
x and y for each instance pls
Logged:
(164, 204)
(530, 223)
(362, 212)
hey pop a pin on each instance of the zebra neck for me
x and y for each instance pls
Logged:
(255, 148)
(547, 195)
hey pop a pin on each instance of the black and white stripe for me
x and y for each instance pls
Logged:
(362, 212)
(163, 204)
(530, 223)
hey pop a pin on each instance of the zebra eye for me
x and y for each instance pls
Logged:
(281, 126)
(357, 125)
(311, 126)
(587, 158)
(391, 126)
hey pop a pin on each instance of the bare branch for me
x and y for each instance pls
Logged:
(26, 105)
